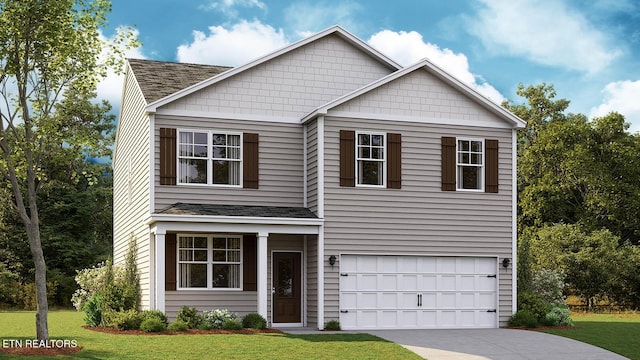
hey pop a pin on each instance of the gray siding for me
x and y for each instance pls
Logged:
(312, 166)
(131, 190)
(280, 168)
(290, 85)
(239, 302)
(419, 218)
(312, 281)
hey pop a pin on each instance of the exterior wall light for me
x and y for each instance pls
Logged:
(332, 260)
(506, 262)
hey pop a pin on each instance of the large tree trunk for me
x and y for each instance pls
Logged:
(42, 327)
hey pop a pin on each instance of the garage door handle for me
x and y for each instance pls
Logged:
(491, 310)
(419, 300)
(344, 311)
(491, 276)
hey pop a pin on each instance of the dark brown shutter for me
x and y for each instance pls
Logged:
(249, 263)
(448, 163)
(394, 163)
(167, 156)
(491, 169)
(250, 160)
(347, 158)
(170, 262)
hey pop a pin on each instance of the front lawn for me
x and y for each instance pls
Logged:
(615, 332)
(97, 345)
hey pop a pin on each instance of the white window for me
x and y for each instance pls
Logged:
(370, 159)
(209, 261)
(470, 164)
(209, 157)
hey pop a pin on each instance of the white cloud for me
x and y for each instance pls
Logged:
(241, 43)
(229, 7)
(545, 32)
(622, 97)
(409, 47)
(308, 18)
(110, 88)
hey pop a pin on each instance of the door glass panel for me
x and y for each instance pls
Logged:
(285, 279)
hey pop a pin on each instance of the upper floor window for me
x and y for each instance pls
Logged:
(209, 261)
(370, 159)
(470, 164)
(209, 157)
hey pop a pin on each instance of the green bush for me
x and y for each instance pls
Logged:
(93, 311)
(122, 320)
(214, 319)
(532, 303)
(558, 316)
(523, 318)
(254, 321)
(178, 325)
(232, 324)
(333, 325)
(189, 317)
(153, 324)
(157, 314)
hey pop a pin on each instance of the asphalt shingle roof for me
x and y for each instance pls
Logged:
(158, 79)
(238, 210)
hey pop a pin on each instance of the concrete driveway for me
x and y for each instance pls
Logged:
(494, 344)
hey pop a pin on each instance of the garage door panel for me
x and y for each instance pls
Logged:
(389, 292)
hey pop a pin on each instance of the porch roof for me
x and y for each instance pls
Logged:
(238, 210)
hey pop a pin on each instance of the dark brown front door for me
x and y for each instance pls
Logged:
(287, 284)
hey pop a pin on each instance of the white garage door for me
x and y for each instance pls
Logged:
(417, 292)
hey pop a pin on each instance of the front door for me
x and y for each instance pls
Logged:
(287, 285)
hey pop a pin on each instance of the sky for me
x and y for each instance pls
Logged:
(588, 49)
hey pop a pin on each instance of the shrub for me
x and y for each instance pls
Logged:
(178, 325)
(232, 325)
(122, 320)
(93, 311)
(523, 318)
(532, 303)
(189, 317)
(91, 281)
(157, 314)
(549, 284)
(29, 294)
(333, 325)
(558, 316)
(153, 324)
(214, 319)
(254, 321)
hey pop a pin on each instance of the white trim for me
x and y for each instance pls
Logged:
(229, 73)
(305, 288)
(305, 166)
(262, 269)
(160, 241)
(152, 167)
(302, 289)
(152, 271)
(320, 267)
(320, 165)
(415, 119)
(482, 167)
(433, 69)
(234, 228)
(228, 116)
(514, 221)
(384, 159)
(217, 219)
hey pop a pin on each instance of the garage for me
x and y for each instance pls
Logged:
(417, 292)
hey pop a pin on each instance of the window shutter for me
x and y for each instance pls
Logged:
(170, 262)
(394, 162)
(491, 169)
(250, 160)
(448, 163)
(347, 158)
(249, 263)
(167, 156)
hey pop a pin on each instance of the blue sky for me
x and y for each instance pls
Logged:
(588, 49)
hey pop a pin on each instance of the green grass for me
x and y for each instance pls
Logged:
(96, 345)
(614, 332)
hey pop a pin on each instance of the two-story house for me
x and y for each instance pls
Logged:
(320, 182)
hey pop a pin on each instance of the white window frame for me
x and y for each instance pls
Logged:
(481, 166)
(210, 262)
(210, 159)
(383, 161)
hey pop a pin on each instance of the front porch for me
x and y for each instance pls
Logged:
(272, 265)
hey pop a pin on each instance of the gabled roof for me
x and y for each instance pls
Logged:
(158, 79)
(334, 30)
(438, 72)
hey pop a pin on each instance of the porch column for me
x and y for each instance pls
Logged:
(321, 278)
(263, 289)
(159, 270)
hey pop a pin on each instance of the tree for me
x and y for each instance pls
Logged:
(50, 64)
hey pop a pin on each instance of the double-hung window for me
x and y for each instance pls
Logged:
(209, 261)
(370, 159)
(470, 164)
(209, 157)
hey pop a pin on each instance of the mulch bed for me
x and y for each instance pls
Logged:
(109, 330)
(32, 351)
